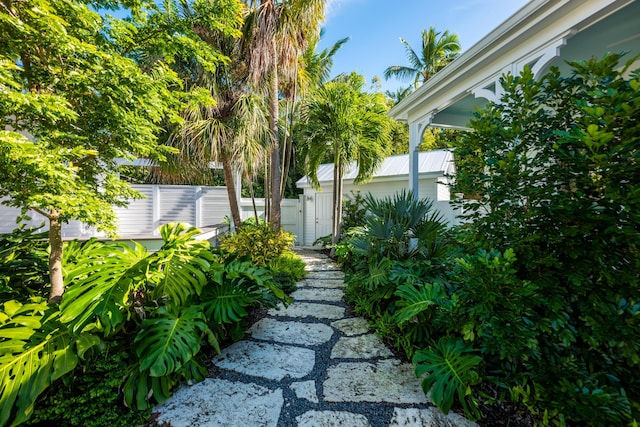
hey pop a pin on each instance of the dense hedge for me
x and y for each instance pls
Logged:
(537, 296)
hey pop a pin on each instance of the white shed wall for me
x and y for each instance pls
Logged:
(379, 188)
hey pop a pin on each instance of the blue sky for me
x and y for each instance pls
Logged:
(375, 28)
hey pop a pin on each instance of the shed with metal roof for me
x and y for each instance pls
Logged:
(390, 177)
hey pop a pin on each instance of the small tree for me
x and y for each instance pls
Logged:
(71, 103)
(343, 124)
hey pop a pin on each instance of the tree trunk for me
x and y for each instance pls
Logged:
(337, 204)
(275, 216)
(253, 202)
(231, 191)
(55, 257)
(267, 192)
(288, 149)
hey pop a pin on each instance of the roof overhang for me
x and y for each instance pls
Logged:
(543, 33)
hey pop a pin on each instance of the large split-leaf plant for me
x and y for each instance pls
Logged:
(111, 287)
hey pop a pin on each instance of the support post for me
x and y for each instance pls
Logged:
(416, 129)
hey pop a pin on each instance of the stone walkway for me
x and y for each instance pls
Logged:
(309, 365)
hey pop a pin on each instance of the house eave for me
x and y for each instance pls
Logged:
(526, 32)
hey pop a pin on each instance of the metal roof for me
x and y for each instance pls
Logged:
(436, 162)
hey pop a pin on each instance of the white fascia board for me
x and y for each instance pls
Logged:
(530, 29)
(389, 178)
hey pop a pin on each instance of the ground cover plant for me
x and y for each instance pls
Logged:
(535, 299)
(265, 247)
(148, 320)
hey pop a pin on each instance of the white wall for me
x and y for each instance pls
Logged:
(291, 219)
(198, 206)
(379, 188)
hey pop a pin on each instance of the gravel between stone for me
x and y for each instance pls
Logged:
(309, 365)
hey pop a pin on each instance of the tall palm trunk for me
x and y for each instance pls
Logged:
(337, 203)
(253, 202)
(275, 212)
(287, 149)
(230, 183)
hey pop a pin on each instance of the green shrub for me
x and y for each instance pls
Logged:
(91, 397)
(287, 269)
(259, 242)
(403, 241)
(553, 171)
(23, 264)
(353, 211)
(171, 306)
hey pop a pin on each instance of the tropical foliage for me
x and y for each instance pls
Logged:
(168, 306)
(258, 241)
(436, 50)
(70, 83)
(342, 123)
(279, 32)
(534, 299)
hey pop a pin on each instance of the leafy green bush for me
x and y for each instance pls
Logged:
(90, 397)
(553, 171)
(169, 306)
(23, 266)
(353, 211)
(403, 242)
(287, 269)
(259, 242)
(402, 237)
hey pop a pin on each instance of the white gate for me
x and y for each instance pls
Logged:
(324, 214)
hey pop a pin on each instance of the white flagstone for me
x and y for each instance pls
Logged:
(215, 403)
(271, 361)
(270, 329)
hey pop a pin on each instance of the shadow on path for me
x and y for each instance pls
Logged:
(309, 365)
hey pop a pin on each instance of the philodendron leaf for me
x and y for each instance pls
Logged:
(167, 341)
(99, 283)
(140, 388)
(182, 262)
(451, 370)
(35, 350)
(226, 303)
(415, 299)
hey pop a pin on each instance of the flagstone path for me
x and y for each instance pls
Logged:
(309, 365)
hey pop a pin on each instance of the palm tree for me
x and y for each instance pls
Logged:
(399, 94)
(437, 51)
(281, 30)
(313, 70)
(229, 130)
(344, 124)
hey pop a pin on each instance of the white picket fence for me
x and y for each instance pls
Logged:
(200, 206)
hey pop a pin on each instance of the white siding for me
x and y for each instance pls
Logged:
(177, 204)
(198, 206)
(291, 215)
(379, 188)
(137, 218)
(214, 206)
